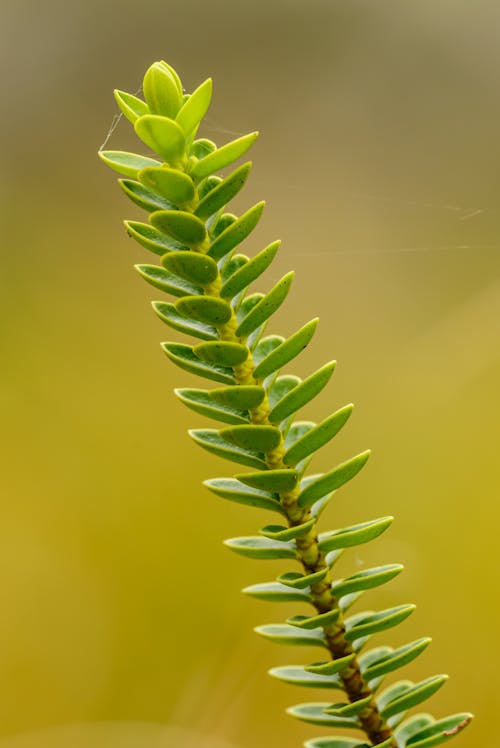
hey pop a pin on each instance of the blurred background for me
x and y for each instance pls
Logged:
(379, 159)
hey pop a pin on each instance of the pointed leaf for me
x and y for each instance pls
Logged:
(233, 490)
(414, 695)
(395, 659)
(275, 592)
(334, 479)
(243, 397)
(161, 91)
(283, 634)
(169, 314)
(192, 266)
(210, 440)
(277, 481)
(331, 667)
(152, 239)
(315, 622)
(207, 309)
(223, 156)
(195, 108)
(261, 548)
(222, 352)
(183, 356)
(163, 135)
(251, 270)
(182, 226)
(277, 532)
(314, 714)
(131, 106)
(318, 436)
(223, 193)
(126, 163)
(236, 232)
(258, 438)
(201, 402)
(366, 579)
(354, 535)
(298, 676)
(173, 185)
(143, 197)
(300, 581)
(439, 732)
(349, 710)
(302, 394)
(266, 306)
(165, 281)
(285, 351)
(375, 622)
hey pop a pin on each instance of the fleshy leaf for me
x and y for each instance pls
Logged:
(349, 710)
(283, 634)
(366, 579)
(314, 622)
(285, 350)
(302, 394)
(353, 535)
(195, 108)
(276, 592)
(169, 314)
(143, 197)
(236, 232)
(411, 726)
(332, 666)
(244, 397)
(333, 480)
(375, 622)
(414, 695)
(201, 402)
(131, 106)
(317, 436)
(223, 156)
(183, 356)
(298, 676)
(192, 266)
(165, 281)
(265, 346)
(180, 225)
(161, 91)
(152, 239)
(261, 548)
(221, 194)
(314, 714)
(257, 438)
(210, 440)
(251, 270)
(278, 481)
(296, 580)
(222, 352)
(207, 309)
(233, 490)
(163, 135)
(395, 659)
(277, 532)
(126, 163)
(172, 184)
(344, 743)
(266, 306)
(440, 731)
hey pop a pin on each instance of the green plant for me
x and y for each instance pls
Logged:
(257, 404)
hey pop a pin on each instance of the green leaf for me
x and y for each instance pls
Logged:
(275, 592)
(411, 726)
(296, 580)
(224, 353)
(395, 690)
(247, 304)
(344, 743)
(333, 480)
(318, 436)
(223, 193)
(184, 358)
(210, 440)
(255, 437)
(165, 281)
(298, 676)
(314, 714)
(349, 710)
(414, 695)
(366, 579)
(173, 185)
(278, 481)
(174, 75)
(277, 532)
(201, 402)
(152, 239)
(206, 309)
(265, 346)
(208, 184)
(296, 431)
(232, 264)
(163, 135)
(285, 350)
(233, 490)
(143, 197)
(169, 314)
(372, 623)
(302, 394)
(353, 535)
(242, 278)
(244, 397)
(315, 622)
(332, 666)
(395, 659)
(236, 232)
(193, 266)
(261, 548)
(161, 91)
(202, 147)
(224, 156)
(131, 106)
(283, 634)
(195, 108)
(126, 163)
(439, 732)
(265, 307)
(182, 226)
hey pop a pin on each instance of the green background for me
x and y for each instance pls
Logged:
(378, 157)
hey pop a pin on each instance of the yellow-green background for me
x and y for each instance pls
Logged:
(379, 158)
